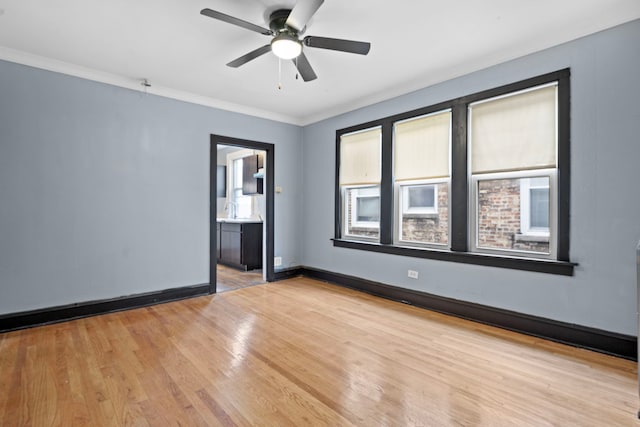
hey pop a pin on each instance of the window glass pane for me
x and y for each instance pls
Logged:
(514, 132)
(362, 211)
(502, 215)
(421, 196)
(368, 209)
(424, 218)
(539, 207)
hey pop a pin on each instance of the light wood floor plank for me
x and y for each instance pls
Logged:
(302, 352)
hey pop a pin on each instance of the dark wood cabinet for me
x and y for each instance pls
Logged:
(250, 166)
(240, 244)
(231, 245)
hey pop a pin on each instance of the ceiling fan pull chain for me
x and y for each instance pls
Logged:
(279, 74)
(296, 68)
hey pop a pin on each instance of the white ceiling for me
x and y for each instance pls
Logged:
(415, 44)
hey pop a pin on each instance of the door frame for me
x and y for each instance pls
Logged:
(213, 202)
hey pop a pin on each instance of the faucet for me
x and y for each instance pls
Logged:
(233, 211)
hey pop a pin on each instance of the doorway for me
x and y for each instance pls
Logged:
(230, 223)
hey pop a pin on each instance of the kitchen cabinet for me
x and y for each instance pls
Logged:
(240, 244)
(250, 166)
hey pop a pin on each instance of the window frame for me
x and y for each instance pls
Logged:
(398, 194)
(341, 219)
(459, 249)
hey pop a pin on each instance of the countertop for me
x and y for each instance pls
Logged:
(239, 220)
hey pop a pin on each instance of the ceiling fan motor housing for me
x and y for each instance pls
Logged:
(277, 22)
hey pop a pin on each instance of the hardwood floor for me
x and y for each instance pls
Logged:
(301, 353)
(229, 279)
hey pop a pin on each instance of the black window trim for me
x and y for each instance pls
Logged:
(459, 240)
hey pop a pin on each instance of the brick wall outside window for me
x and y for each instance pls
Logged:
(499, 217)
(429, 228)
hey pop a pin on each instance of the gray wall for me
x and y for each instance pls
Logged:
(605, 202)
(104, 191)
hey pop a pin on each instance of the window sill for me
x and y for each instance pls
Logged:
(532, 238)
(563, 268)
(365, 228)
(420, 215)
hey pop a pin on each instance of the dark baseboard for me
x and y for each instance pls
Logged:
(612, 343)
(28, 319)
(287, 274)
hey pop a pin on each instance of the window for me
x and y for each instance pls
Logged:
(513, 143)
(359, 154)
(481, 179)
(422, 171)
(240, 206)
(419, 199)
(365, 203)
(534, 206)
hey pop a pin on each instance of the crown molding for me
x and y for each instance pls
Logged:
(49, 64)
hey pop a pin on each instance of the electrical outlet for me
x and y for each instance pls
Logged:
(277, 261)
(412, 274)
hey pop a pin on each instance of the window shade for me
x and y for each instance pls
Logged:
(360, 157)
(516, 132)
(421, 147)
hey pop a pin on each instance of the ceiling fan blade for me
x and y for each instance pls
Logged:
(304, 68)
(361, 48)
(235, 21)
(250, 56)
(302, 12)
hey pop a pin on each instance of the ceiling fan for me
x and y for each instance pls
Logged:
(285, 27)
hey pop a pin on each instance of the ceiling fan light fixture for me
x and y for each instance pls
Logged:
(286, 46)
